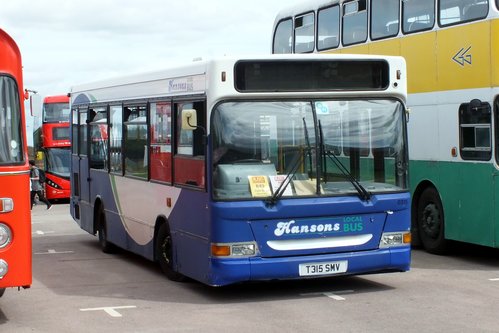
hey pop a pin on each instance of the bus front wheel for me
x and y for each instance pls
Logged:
(2, 290)
(164, 253)
(105, 245)
(431, 223)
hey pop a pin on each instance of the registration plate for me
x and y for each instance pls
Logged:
(323, 268)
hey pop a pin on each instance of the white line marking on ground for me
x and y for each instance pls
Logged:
(41, 233)
(111, 310)
(333, 295)
(495, 279)
(52, 251)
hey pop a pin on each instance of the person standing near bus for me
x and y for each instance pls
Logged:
(36, 186)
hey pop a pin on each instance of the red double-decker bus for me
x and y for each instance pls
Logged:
(51, 139)
(15, 216)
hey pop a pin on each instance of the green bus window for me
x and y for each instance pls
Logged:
(496, 113)
(328, 28)
(475, 129)
(304, 33)
(384, 18)
(283, 37)
(454, 12)
(354, 22)
(418, 15)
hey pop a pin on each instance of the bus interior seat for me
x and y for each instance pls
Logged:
(304, 47)
(417, 26)
(475, 11)
(392, 29)
(328, 42)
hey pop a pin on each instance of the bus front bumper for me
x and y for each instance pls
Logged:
(229, 271)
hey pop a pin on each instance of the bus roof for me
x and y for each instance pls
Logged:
(56, 99)
(304, 7)
(10, 56)
(152, 84)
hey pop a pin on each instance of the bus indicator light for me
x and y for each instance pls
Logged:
(390, 239)
(407, 238)
(4, 268)
(233, 250)
(220, 250)
(6, 205)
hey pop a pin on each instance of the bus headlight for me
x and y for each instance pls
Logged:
(5, 235)
(4, 268)
(390, 239)
(234, 249)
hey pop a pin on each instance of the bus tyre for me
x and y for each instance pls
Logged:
(164, 254)
(2, 290)
(105, 245)
(431, 223)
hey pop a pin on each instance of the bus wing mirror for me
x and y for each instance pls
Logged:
(189, 119)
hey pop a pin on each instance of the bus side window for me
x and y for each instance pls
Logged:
(82, 135)
(354, 22)
(161, 145)
(418, 15)
(135, 144)
(452, 12)
(283, 37)
(304, 33)
(328, 26)
(98, 137)
(74, 131)
(384, 18)
(475, 127)
(496, 116)
(189, 159)
(115, 139)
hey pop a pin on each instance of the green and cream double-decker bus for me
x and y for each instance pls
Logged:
(451, 49)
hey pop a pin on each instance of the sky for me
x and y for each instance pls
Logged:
(68, 42)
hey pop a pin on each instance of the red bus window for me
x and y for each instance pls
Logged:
(189, 168)
(161, 145)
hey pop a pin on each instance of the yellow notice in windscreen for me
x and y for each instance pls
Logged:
(259, 186)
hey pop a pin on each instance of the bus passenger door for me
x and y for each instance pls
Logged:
(75, 168)
(495, 196)
(81, 173)
(188, 222)
(475, 188)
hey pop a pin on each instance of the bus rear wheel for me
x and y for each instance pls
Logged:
(2, 290)
(164, 254)
(105, 245)
(431, 222)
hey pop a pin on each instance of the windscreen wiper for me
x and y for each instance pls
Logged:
(295, 164)
(363, 193)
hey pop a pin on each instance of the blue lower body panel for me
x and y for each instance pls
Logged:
(227, 271)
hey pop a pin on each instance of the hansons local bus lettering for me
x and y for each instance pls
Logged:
(350, 224)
